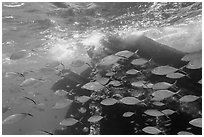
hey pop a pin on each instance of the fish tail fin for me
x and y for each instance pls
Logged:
(163, 132)
(178, 92)
(105, 117)
(183, 72)
(145, 84)
(136, 51)
(174, 84)
(80, 120)
(140, 72)
(188, 75)
(181, 69)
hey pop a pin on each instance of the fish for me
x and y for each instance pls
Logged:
(139, 62)
(130, 100)
(95, 86)
(184, 133)
(176, 75)
(103, 80)
(13, 75)
(95, 118)
(197, 122)
(124, 53)
(200, 81)
(138, 84)
(109, 102)
(133, 72)
(164, 70)
(61, 92)
(82, 99)
(71, 92)
(15, 118)
(163, 85)
(188, 98)
(109, 60)
(157, 103)
(151, 130)
(68, 122)
(110, 73)
(62, 104)
(156, 99)
(115, 83)
(128, 114)
(168, 112)
(85, 129)
(192, 56)
(148, 85)
(29, 82)
(153, 112)
(163, 94)
(20, 54)
(195, 64)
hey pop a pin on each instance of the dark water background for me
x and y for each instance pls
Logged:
(63, 31)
